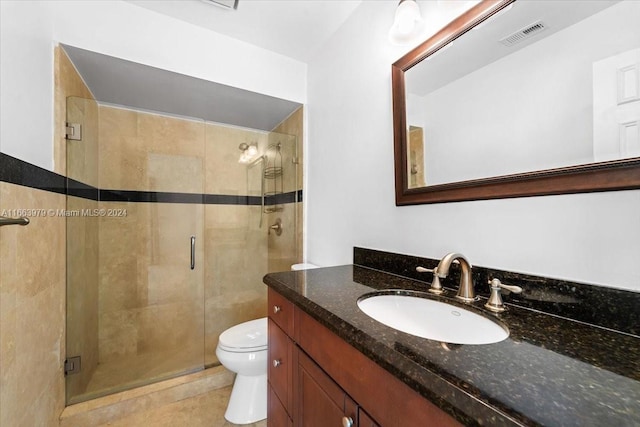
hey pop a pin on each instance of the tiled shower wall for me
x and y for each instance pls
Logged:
(142, 289)
(33, 258)
(150, 306)
(286, 249)
(150, 302)
(32, 285)
(82, 240)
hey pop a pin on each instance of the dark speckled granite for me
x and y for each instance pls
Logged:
(602, 306)
(551, 371)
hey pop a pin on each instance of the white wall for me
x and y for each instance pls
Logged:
(26, 81)
(550, 80)
(30, 30)
(591, 238)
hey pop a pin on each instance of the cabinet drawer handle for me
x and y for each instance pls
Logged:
(276, 309)
(276, 363)
(347, 422)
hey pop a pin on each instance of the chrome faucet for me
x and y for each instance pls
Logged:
(465, 291)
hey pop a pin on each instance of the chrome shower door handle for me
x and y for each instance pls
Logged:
(193, 252)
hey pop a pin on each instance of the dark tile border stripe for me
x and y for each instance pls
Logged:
(149, 197)
(19, 172)
(82, 190)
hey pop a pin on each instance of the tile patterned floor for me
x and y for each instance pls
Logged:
(203, 410)
(195, 400)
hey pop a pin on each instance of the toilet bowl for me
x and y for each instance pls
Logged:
(243, 349)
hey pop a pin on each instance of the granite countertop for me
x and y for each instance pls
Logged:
(550, 371)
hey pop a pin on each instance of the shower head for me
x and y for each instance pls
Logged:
(249, 152)
(249, 149)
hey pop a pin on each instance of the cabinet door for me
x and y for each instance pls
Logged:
(319, 400)
(278, 416)
(365, 419)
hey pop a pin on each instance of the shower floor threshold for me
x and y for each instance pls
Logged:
(118, 405)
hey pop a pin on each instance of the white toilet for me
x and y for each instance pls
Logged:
(243, 349)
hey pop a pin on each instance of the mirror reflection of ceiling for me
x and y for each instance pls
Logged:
(119, 82)
(482, 45)
(563, 96)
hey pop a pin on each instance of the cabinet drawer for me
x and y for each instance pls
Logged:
(281, 311)
(278, 416)
(280, 365)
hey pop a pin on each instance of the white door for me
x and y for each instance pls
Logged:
(616, 106)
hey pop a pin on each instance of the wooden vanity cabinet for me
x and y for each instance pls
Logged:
(278, 416)
(316, 379)
(280, 359)
(320, 402)
(280, 373)
(364, 420)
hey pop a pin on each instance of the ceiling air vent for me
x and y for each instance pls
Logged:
(227, 4)
(523, 34)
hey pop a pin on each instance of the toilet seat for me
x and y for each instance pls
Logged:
(246, 337)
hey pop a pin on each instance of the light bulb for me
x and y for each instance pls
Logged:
(408, 24)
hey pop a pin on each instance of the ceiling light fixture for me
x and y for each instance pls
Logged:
(408, 24)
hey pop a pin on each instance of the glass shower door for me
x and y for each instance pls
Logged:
(82, 247)
(135, 269)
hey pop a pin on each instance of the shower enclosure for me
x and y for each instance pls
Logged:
(168, 238)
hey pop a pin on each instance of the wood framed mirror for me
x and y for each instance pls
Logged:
(495, 105)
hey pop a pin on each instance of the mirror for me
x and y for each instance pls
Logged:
(520, 98)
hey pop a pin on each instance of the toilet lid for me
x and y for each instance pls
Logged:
(249, 336)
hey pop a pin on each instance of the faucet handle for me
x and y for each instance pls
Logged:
(436, 286)
(496, 282)
(495, 299)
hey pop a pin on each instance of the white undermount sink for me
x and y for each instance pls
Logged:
(431, 319)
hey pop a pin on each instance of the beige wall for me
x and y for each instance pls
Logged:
(148, 152)
(33, 282)
(151, 304)
(286, 249)
(293, 125)
(415, 163)
(137, 303)
(236, 246)
(32, 319)
(82, 240)
(67, 82)
(78, 160)
(82, 293)
(130, 294)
